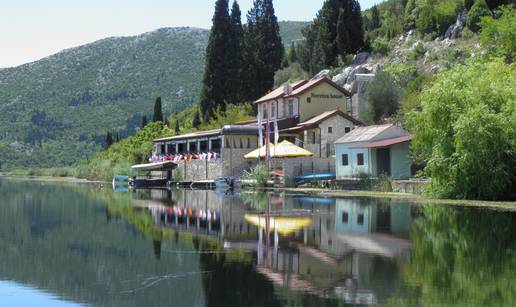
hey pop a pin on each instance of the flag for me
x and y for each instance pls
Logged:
(267, 130)
(260, 132)
(276, 132)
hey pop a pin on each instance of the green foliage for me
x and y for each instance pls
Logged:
(290, 31)
(58, 109)
(498, 36)
(158, 112)
(462, 257)
(436, 15)
(258, 175)
(412, 90)
(231, 114)
(477, 11)
(263, 49)
(215, 89)
(117, 159)
(402, 73)
(336, 31)
(466, 131)
(383, 96)
(292, 73)
(196, 120)
(382, 45)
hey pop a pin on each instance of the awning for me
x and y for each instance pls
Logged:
(386, 143)
(158, 166)
(284, 149)
(284, 225)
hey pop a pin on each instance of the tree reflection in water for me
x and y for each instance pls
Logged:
(462, 256)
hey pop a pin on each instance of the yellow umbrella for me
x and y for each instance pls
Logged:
(284, 149)
(284, 225)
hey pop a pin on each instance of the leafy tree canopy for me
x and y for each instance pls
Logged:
(466, 131)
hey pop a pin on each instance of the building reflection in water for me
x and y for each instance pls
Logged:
(343, 248)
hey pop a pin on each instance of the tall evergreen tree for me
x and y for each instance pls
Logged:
(337, 30)
(196, 122)
(109, 139)
(234, 73)
(214, 83)
(264, 50)
(293, 53)
(144, 121)
(158, 112)
(375, 18)
(176, 127)
(343, 39)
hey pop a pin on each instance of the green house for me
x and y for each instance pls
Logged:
(373, 151)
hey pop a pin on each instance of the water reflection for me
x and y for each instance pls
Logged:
(322, 247)
(205, 248)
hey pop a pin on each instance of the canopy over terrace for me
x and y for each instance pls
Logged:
(155, 167)
(284, 149)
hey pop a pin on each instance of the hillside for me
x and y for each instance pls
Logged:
(56, 111)
(290, 31)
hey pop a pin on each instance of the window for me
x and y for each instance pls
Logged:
(347, 129)
(241, 144)
(291, 108)
(309, 99)
(330, 129)
(273, 113)
(248, 143)
(360, 159)
(360, 219)
(345, 217)
(264, 111)
(345, 160)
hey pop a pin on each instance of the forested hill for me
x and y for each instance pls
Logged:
(57, 110)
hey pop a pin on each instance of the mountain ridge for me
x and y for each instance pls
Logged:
(57, 110)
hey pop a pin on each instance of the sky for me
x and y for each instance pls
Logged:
(33, 29)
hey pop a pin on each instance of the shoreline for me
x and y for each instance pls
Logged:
(51, 179)
(413, 198)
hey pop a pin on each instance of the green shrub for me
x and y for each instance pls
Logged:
(466, 131)
(292, 73)
(383, 96)
(258, 175)
(498, 36)
(382, 45)
(477, 11)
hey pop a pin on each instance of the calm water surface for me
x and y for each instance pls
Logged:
(69, 245)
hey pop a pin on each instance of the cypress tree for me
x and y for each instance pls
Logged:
(234, 73)
(327, 38)
(375, 18)
(144, 121)
(355, 26)
(176, 128)
(343, 40)
(109, 140)
(196, 122)
(293, 53)
(158, 113)
(264, 49)
(214, 83)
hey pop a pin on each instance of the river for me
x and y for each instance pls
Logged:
(64, 244)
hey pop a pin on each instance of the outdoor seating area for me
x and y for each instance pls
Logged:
(209, 156)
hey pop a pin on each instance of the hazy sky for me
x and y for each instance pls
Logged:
(33, 29)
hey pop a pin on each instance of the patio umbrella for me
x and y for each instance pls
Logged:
(284, 149)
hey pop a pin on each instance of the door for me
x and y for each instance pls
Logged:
(383, 160)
